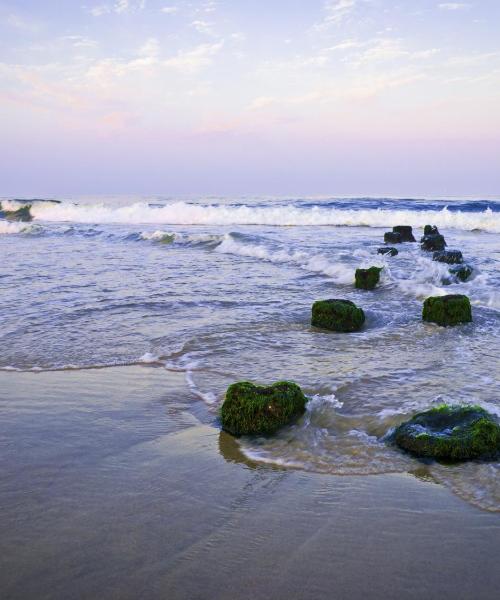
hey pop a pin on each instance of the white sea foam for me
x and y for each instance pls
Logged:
(316, 264)
(183, 213)
(6, 227)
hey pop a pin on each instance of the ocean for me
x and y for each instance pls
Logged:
(221, 290)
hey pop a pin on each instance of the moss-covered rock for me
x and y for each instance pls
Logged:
(451, 257)
(256, 409)
(405, 231)
(431, 230)
(433, 242)
(387, 250)
(391, 237)
(450, 433)
(337, 315)
(447, 310)
(461, 272)
(21, 214)
(367, 279)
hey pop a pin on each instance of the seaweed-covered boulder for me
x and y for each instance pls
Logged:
(451, 257)
(450, 433)
(431, 230)
(337, 315)
(405, 231)
(461, 272)
(433, 242)
(391, 237)
(258, 409)
(447, 310)
(21, 214)
(367, 279)
(387, 250)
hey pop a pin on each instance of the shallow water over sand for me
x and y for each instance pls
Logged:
(222, 291)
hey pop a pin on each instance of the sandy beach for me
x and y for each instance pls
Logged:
(115, 483)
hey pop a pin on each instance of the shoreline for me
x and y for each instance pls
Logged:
(116, 485)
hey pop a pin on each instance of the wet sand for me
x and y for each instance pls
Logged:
(116, 483)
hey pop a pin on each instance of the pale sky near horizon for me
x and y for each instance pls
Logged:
(231, 97)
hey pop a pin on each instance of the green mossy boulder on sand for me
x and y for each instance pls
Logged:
(447, 310)
(391, 237)
(388, 250)
(433, 242)
(367, 279)
(21, 214)
(337, 315)
(451, 257)
(405, 231)
(450, 433)
(256, 409)
(461, 272)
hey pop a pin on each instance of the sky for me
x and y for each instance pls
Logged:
(237, 97)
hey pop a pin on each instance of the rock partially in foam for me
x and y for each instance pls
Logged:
(450, 433)
(250, 409)
(337, 315)
(387, 250)
(367, 279)
(447, 310)
(461, 272)
(391, 237)
(431, 230)
(433, 242)
(406, 233)
(21, 214)
(451, 257)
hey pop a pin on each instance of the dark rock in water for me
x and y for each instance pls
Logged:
(451, 257)
(447, 310)
(431, 230)
(461, 272)
(367, 279)
(21, 214)
(405, 231)
(433, 242)
(450, 433)
(337, 315)
(391, 237)
(256, 409)
(387, 250)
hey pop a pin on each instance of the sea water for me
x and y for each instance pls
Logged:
(221, 290)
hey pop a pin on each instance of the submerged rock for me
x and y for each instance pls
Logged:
(451, 257)
(367, 279)
(391, 237)
(461, 272)
(433, 242)
(431, 230)
(257, 409)
(447, 310)
(21, 214)
(405, 231)
(337, 315)
(450, 433)
(387, 250)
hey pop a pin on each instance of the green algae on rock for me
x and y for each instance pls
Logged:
(461, 272)
(387, 250)
(391, 237)
(430, 230)
(447, 310)
(406, 233)
(450, 433)
(256, 409)
(337, 315)
(367, 279)
(451, 257)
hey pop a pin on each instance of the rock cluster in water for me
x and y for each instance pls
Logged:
(257, 409)
(447, 310)
(432, 240)
(451, 257)
(450, 433)
(337, 315)
(399, 234)
(367, 279)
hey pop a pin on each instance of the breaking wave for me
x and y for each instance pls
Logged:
(274, 214)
